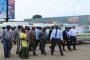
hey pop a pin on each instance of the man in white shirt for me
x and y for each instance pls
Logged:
(37, 32)
(56, 37)
(72, 37)
(47, 32)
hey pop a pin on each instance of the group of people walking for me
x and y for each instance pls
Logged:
(28, 39)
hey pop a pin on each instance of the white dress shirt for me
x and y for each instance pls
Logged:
(59, 34)
(47, 31)
(72, 32)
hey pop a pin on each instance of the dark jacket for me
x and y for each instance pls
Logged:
(31, 36)
(43, 35)
(50, 31)
(65, 36)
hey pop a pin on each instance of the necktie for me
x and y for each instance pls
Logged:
(56, 34)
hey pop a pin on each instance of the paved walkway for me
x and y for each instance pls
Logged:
(83, 53)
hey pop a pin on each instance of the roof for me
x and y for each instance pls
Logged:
(14, 23)
(81, 19)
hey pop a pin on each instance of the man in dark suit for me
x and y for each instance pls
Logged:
(50, 31)
(65, 38)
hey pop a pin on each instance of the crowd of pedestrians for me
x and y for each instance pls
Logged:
(28, 39)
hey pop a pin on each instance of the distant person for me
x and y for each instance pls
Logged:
(24, 44)
(37, 32)
(42, 37)
(56, 37)
(16, 37)
(47, 31)
(72, 37)
(66, 39)
(6, 37)
(50, 31)
(31, 40)
(11, 41)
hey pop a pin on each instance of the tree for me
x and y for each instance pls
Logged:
(37, 16)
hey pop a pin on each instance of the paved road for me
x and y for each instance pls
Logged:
(83, 53)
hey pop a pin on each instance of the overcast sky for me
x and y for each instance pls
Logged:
(50, 8)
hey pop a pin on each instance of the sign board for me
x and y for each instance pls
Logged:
(3, 7)
(89, 19)
(73, 19)
(11, 9)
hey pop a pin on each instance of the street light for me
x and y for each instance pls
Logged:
(74, 10)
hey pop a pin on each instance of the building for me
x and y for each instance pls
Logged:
(82, 20)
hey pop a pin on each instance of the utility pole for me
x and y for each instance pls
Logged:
(74, 10)
(75, 1)
(6, 20)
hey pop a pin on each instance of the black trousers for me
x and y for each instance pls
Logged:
(73, 41)
(67, 42)
(42, 45)
(37, 42)
(53, 44)
(32, 46)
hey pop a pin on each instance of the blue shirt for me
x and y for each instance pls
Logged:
(37, 32)
(7, 35)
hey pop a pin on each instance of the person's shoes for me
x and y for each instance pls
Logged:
(44, 53)
(17, 53)
(74, 49)
(10, 53)
(64, 50)
(52, 54)
(69, 49)
(6, 56)
(34, 54)
(50, 47)
(62, 54)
